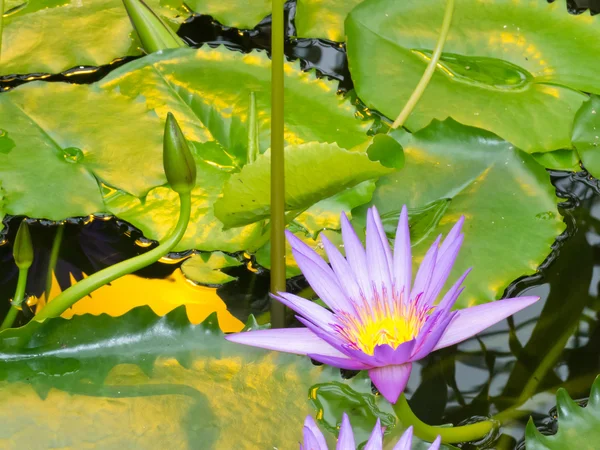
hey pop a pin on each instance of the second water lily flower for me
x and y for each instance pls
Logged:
(314, 439)
(378, 319)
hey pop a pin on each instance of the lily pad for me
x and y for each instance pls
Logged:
(205, 268)
(586, 135)
(506, 197)
(323, 19)
(181, 384)
(577, 427)
(52, 154)
(51, 36)
(500, 70)
(314, 172)
(233, 13)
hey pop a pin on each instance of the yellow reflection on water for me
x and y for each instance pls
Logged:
(162, 295)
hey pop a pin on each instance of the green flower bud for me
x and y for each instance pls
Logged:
(153, 32)
(178, 161)
(23, 248)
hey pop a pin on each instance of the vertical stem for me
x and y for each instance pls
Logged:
(53, 258)
(253, 146)
(277, 165)
(435, 57)
(1, 25)
(17, 300)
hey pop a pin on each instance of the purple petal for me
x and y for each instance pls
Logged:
(387, 355)
(355, 254)
(313, 437)
(332, 338)
(443, 267)
(425, 271)
(341, 363)
(449, 299)
(405, 442)
(432, 336)
(436, 443)
(402, 257)
(383, 237)
(391, 380)
(301, 247)
(307, 309)
(468, 322)
(300, 341)
(323, 282)
(375, 441)
(342, 270)
(377, 260)
(452, 235)
(346, 437)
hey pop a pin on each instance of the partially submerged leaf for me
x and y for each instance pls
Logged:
(322, 19)
(51, 36)
(506, 197)
(314, 172)
(578, 428)
(233, 13)
(586, 135)
(500, 70)
(205, 268)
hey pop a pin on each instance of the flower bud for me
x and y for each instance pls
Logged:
(153, 32)
(178, 161)
(23, 248)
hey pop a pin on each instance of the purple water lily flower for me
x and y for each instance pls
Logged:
(377, 320)
(314, 439)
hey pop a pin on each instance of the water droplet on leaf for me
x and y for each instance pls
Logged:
(72, 154)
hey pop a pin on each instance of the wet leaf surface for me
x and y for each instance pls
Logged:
(233, 13)
(205, 268)
(323, 19)
(586, 135)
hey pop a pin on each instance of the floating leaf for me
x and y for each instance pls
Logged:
(506, 197)
(578, 428)
(586, 135)
(89, 372)
(322, 19)
(233, 13)
(51, 36)
(500, 70)
(313, 172)
(52, 153)
(205, 268)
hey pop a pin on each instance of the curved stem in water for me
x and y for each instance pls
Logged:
(17, 300)
(435, 57)
(450, 435)
(69, 297)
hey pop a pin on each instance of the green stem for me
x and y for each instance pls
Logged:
(435, 57)
(450, 435)
(69, 297)
(1, 25)
(253, 145)
(17, 300)
(53, 259)
(277, 164)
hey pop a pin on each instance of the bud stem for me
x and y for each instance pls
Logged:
(17, 300)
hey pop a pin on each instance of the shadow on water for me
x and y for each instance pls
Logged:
(555, 343)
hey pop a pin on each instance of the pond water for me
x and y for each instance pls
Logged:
(554, 343)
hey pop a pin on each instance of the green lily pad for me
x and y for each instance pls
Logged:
(51, 36)
(578, 428)
(500, 70)
(177, 385)
(506, 197)
(52, 154)
(586, 135)
(205, 268)
(233, 13)
(314, 172)
(323, 19)
(2, 213)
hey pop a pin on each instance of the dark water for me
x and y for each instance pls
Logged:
(479, 378)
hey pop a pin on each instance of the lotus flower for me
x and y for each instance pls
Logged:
(314, 439)
(378, 321)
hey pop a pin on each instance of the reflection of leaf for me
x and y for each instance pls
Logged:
(313, 172)
(319, 19)
(55, 35)
(578, 428)
(586, 135)
(174, 382)
(65, 137)
(506, 197)
(501, 71)
(422, 221)
(233, 13)
(205, 268)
